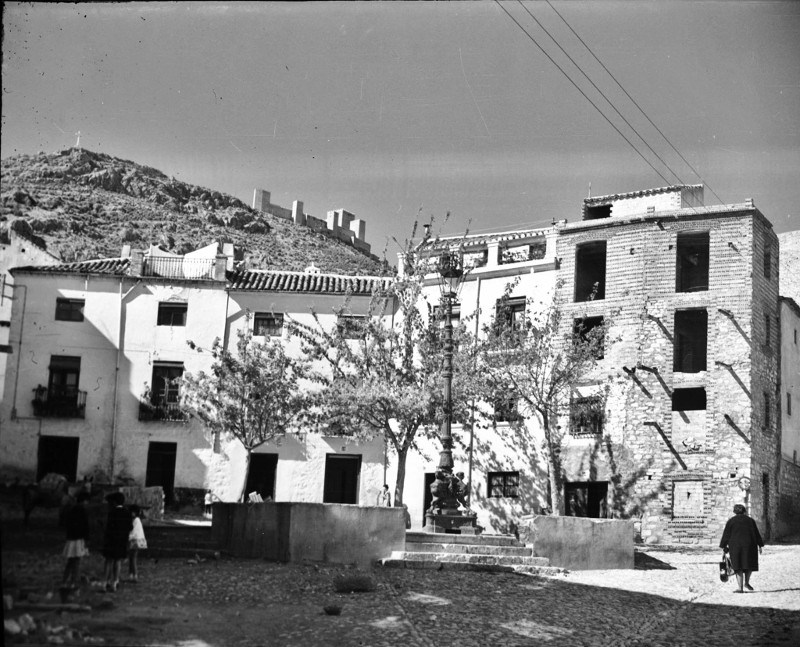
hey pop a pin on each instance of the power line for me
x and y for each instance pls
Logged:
(602, 94)
(577, 87)
(634, 102)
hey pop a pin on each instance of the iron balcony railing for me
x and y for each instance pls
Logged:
(61, 402)
(163, 412)
(178, 267)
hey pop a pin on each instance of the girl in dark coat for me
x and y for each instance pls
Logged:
(115, 546)
(741, 539)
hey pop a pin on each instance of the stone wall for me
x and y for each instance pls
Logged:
(581, 544)
(294, 532)
(788, 515)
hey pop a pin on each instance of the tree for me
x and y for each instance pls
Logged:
(251, 396)
(379, 378)
(536, 360)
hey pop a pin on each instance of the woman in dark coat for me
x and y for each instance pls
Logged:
(741, 539)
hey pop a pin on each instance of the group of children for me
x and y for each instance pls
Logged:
(124, 537)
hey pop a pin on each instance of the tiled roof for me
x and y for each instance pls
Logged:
(639, 194)
(277, 281)
(108, 266)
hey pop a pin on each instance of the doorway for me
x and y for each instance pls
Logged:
(59, 455)
(427, 497)
(261, 477)
(765, 500)
(586, 499)
(342, 473)
(161, 468)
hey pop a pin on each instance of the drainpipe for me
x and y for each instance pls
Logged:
(120, 335)
(19, 353)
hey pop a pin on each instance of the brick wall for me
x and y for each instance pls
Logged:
(641, 301)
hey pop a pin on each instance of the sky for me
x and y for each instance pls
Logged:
(398, 111)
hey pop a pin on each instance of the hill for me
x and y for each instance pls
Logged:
(83, 205)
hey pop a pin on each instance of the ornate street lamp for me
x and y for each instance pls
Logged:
(448, 490)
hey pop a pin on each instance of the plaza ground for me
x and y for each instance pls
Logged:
(672, 598)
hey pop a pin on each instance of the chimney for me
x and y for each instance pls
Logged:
(137, 262)
(261, 200)
(220, 265)
(298, 217)
(227, 251)
(126, 251)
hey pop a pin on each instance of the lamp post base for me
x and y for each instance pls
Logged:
(452, 521)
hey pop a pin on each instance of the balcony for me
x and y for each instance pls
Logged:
(63, 402)
(178, 267)
(586, 417)
(163, 412)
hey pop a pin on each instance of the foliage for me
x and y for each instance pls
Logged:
(537, 360)
(380, 375)
(251, 395)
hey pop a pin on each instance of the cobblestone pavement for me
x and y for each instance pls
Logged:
(673, 598)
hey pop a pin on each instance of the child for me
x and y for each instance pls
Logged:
(115, 546)
(76, 522)
(209, 500)
(136, 541)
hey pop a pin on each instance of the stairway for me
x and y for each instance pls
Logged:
(496, 553)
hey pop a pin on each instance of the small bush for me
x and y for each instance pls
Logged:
(354, 583)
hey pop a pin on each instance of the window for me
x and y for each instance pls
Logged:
(69, 309)
(589, 331)
(689, 399)
(767, 330)
(767, 412)
(590, 271)
(586, 416)
(691, 267)
(505, 410)
(767, 259)
(691, 339)
(438, 314)
(510, 314)
(268, 324)
(351, 326)
(687, 499)
(598, 211)
(503, 484)
(61, 398)
(172, 314)
(788, 404)
(163, 400)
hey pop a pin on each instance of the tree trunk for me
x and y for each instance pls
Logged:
(246, 475)
(554, 470)
(401, 476)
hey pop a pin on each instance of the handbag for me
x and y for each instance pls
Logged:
(725, 568)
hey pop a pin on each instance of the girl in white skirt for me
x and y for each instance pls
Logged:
(76, 522)
(136, 542)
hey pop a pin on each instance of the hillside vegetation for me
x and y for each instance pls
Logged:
(83, 205)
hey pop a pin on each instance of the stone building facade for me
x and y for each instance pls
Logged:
(691, 296)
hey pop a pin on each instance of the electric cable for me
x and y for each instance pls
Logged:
(585, 96)
(666, 139)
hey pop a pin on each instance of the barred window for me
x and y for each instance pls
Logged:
(586, 416)
(351, 326)
(503, 484)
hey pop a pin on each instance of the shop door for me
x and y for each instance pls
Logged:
(342, 472)
(161, 468)
(58, 455)
(261, 477)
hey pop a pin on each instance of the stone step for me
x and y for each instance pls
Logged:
(456, 558)
(472, 549)
(447, 538)
(470, 566)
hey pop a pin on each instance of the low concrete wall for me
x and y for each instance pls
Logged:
(582, 544)
(320, 532)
